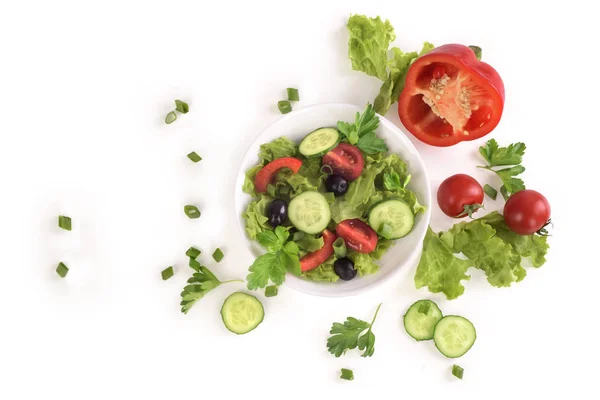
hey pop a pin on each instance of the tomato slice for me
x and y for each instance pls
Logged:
(357, 235)
(268, 172)
(316, 258)
(345, 160)
(450, 97)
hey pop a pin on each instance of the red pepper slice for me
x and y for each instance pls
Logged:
(316, 258)
(450, 97)
(268, 172)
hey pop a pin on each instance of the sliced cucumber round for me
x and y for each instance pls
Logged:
(242, 312)
(309, 212)
(395, 215)
(319, 142)
(421, 318)
(454, 336)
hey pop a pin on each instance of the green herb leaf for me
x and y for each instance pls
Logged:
(512, 184)
(349, 130)
(293, 94)
(457, 371)
(182, 106)
(439, 269)
(282, 257)
(166, 273)
(271, 291)
(199, 284)
(64, 222)
(490, 191)
(62, 270)
(347, 374)
(477, 50)
(339, 248)
(191, 211)
(218, 255)
(170, 118)
(371, 144)
(369, 41)
(194, 157)
(497, 156)
(350, 335)
(284, 106)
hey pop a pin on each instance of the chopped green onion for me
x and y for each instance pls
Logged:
(339, 248)
(330, 197)
(297, 236)
(195, 265)
(457, 371)
(194, 157)
(293, 94)
(385, 230)
(424, 308)
(490, 191)
(191, 211)
(271, 291)
(406, 181)
(504, 192)
(327, 170)
(64, 222)
(193, 252)
(284, 190)
(347, 374)
(182, 106)
(170, 118)
(271, 190)
(284, 106)
(62, 270)
(167, 273)
(477, 50)
(218, 255)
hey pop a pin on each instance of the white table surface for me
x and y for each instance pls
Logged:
(83, 93)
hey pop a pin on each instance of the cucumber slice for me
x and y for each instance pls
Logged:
(319, 142)
(454, 336)
(309, 212)
(242, 312)
(421, 318)
(396, 214)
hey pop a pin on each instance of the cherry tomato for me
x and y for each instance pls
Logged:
(357, 235)
(526, 212)
(269, 171)
(316, 258)
(345, 160)
(459, 196)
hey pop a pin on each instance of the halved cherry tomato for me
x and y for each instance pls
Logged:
(345, 160)
(316, 258)
(450, 97)
(527, 212)
(357, 235)
(268, 172)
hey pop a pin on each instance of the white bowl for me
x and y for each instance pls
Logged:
(295, 126)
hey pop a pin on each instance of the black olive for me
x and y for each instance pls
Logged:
(336, 184)
(344, 268)
(277, 212)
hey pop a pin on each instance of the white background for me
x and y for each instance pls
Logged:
(84, 88)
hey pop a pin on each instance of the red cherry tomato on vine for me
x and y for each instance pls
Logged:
(527, 212)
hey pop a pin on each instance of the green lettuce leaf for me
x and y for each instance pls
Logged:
(369, 41)
(383, 246)
(248, 186)
(308, 178)
(280, 147)
(255, 216)
(439, 269)
(323, 273)
(363, 263)
(310, 243)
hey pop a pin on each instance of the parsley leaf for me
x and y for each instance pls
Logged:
(199, 284)
(362, 132)
(350, 335)
(282, 257)
(393, 182)
(501, 156)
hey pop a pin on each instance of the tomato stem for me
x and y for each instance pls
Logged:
(543, 231)
(471, 208)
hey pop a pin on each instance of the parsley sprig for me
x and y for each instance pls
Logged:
(201, 282)
(505, 156)
(362, 132)
(281, 257)
(350, 335)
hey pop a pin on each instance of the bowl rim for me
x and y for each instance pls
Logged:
(394, 273)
